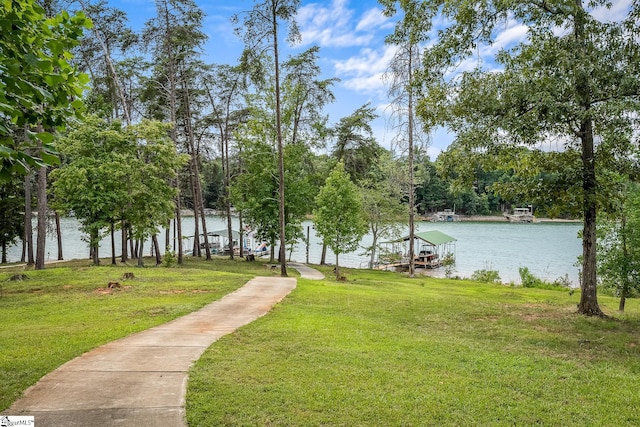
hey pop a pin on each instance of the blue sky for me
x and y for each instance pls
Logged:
(350, 34)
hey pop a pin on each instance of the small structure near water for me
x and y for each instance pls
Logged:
(447, 215)
(431, 249)
(521, 215)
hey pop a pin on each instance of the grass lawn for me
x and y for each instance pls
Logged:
(383, 350)
(61, 312)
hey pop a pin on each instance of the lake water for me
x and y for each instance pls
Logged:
(549, 250)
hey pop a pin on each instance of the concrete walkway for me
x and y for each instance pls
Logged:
(306, 272)
(141, 380)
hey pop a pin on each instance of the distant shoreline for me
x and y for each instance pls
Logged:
(461, 218)
(497, 218)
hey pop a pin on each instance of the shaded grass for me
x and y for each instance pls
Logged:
(61, 312)
(386, 350)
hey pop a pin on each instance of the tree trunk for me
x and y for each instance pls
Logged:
(626, 285)
(337, 268)
(28, 216)
(241, 231)
(167, 236)
(323, 256)
(179, 230)
(412, 256)
(156, 246)
(373, 248)
(588, 298)
(125, 254)
(4, 252)
(272, 251)
(59, 236)
(95, 257)
(281, 189)
(113, 244)
(42, 217)
(198, 201)
(141, 252)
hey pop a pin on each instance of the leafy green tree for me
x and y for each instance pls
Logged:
(255, 192)
(38, 84)
(355, 145)
(578, 85)
(431, 190)
(99, 161)
(260, 30)
(339, 217)
(11, 214)
(174, 38)
(402, 70)
(382, 196)
(304, 97)
(124, 173)
(226, 87)
(619, 249)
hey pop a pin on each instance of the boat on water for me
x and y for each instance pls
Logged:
(521, 215)
(447, 215)
(433, 247)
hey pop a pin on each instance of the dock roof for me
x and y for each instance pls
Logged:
(433, 237)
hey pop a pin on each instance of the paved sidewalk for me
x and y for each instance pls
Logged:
(306, 272)
(141, 380)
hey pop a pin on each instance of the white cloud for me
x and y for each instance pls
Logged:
(616, 13)
(363, 72)
(334, 25)
(374, 20)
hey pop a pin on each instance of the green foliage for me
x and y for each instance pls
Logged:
(38, 84)
(11, 213)
(486, 276)
(125, 175)
(578, 86)
(339, 218)
(169, 257)
(355, 145)
(255, 191)
(529, 280)
(382, 200)
(619, 248)
(448, 262)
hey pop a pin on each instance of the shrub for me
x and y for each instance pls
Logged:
(528, 280)
(486, 276)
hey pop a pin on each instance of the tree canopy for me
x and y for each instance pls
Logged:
(574, 79)
(339, 218)
(39, 86)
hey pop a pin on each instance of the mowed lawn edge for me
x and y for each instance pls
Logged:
(57, 314)
(384, 350)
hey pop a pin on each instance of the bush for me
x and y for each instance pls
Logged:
(528, 280)
(486, 276)
(169, 257)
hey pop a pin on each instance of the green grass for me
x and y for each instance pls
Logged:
(61, 312)
(379, 349)
(389, 351)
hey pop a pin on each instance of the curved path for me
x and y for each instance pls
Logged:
(306, 272)
(142, 379)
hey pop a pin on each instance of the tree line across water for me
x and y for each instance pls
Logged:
(125, 129)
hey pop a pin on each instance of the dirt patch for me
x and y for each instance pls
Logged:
(183, 291)
(108, 291)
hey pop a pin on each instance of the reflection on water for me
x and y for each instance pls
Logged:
(549, 250)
